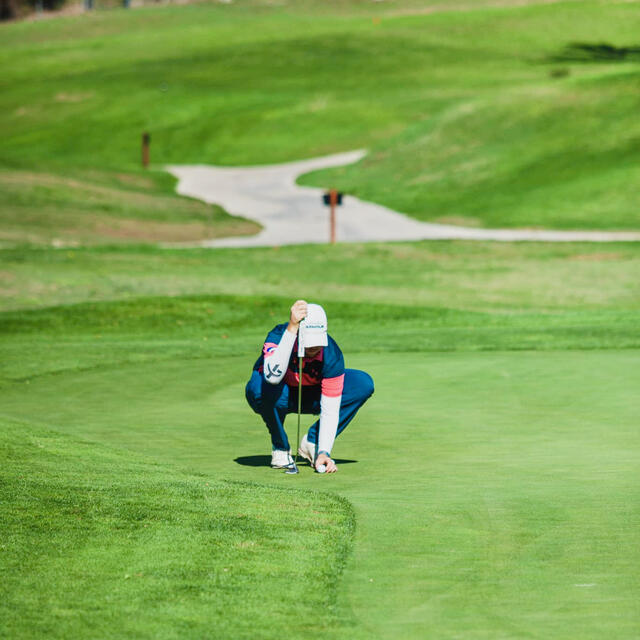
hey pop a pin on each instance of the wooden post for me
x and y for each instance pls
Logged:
(146, 141)
(333, 201)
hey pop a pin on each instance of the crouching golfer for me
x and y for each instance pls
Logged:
(328, 388)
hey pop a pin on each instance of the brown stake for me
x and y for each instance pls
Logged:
(146, 141)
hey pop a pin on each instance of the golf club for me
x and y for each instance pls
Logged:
(293, 469)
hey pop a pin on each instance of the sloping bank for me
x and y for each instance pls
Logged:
(97, 542)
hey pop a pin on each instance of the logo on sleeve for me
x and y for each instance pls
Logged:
(273, 371)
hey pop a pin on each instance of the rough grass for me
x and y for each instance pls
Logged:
(486, 277)
(94, 207)
(428, 296)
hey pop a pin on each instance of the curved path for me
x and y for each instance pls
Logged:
(291, 214)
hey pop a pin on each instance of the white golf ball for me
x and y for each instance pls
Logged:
(322, 468)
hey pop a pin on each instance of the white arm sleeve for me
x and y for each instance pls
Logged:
(276, 363)
(329, 415)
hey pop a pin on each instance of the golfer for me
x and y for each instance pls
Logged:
(328, 389)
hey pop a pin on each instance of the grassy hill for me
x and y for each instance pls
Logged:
(474, 114)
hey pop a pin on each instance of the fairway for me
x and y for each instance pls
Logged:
(488, 487)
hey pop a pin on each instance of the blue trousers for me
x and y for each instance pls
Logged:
(274, 401)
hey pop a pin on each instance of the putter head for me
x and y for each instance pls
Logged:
(292, 469)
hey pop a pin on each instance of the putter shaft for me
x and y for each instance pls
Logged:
(300, 360)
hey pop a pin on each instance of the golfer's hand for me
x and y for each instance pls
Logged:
(323, 458)
(298, 312)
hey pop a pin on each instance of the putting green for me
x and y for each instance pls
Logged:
(495, 493)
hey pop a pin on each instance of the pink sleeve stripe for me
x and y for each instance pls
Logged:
(332, 387)
(269, 348)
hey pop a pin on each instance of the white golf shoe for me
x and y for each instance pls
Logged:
(281, 459)
(307, 450)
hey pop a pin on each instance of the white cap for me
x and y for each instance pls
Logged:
(313, 329)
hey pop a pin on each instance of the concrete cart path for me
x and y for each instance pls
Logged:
(291, 214)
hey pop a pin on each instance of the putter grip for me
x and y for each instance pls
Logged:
(301, 339)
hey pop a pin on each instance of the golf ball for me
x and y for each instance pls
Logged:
(322, 468)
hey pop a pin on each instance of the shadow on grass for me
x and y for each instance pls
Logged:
(265, 461)
(596, 52)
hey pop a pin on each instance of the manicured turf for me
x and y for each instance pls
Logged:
(99, 543)
(473, 115)
(489, 489)
(493, 475)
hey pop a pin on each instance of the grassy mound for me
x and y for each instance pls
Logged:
(100, 543)
(468, 276)
(93, 207)
(548, 155)
(144, 304)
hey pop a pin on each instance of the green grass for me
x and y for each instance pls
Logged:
(101, 543)
(489, 488)
(92, 207)
(440, 296)
(468, 124)
(453, 275)
(491, 479)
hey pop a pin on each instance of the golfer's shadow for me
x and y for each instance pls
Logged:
(265, 461)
